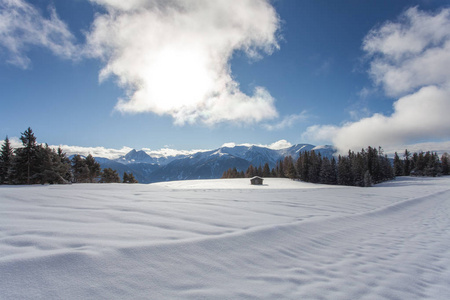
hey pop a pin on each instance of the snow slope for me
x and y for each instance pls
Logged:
(226, 239)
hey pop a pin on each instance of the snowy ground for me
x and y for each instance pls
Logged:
(225, 239)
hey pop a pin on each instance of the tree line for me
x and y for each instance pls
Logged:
(364, 168)
(35, 163)
(421, 164)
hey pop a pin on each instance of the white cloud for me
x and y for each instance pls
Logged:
(281, 144)
(22, 25)
(287, 121)
(172, 57)
(167, 152)
(94, 151)
(410, 59)
(411, 53)
(320, 133)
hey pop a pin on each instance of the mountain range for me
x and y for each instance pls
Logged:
(203, 164)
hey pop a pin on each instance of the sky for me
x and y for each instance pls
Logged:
(153, 74)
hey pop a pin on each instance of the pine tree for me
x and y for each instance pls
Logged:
(367, 179)
(79, 169)
(327, 175)
(407, 163)
(6, 160)
(129, 178)
(94, 168)
(445, 160)
(399, 167)
(26, 163)
(266, 170)
(109, 176)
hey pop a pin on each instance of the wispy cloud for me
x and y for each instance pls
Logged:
(410, 58)
(281, 144)
(173, 57)
(22, 26)
(287, 121)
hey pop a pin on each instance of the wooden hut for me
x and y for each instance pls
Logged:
(256, 180)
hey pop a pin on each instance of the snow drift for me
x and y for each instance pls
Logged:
(225, 239)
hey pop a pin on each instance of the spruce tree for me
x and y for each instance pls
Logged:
(94, 168)
(407, 163)
(6, 160)
(266, 170)
(129, 178)
(399, 167)
(26, 162)
(79, 169)
(109, 175)
(445, 161)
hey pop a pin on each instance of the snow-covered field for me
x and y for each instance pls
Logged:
(225, 239)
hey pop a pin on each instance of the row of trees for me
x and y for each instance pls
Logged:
(364, 168)
(356, 169)
(421, 164)
(39, 164)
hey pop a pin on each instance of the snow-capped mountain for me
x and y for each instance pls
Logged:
(203, 164)
(135, 156)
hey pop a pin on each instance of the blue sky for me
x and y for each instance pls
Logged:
(198, 74)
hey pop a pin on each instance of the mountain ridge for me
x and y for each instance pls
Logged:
(204, 164)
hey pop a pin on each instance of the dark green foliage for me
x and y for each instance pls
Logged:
(33, 163)
(427, 164)
(80, 169)
(129, 178)
(407, 163)
(399, 167)
(445, 163)
(234, 173)
(26, 161)
(328, 171)
(357, 169)
(53, 167)
(109, 175)
(6, 160)
(94, 168)
(288, 167)
(266, 171)
(367, 179)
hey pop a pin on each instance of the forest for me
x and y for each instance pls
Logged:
(39, 164)
(364, 168)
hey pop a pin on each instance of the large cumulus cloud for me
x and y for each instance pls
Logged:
(173, 57)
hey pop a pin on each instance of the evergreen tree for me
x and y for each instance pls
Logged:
(109, 176)
(26, 163)
(288, 167)
(80, 169)
(407, 163)
(6, 160)
(266, 170)
(94, 168)
(251, 172)
(445, 160)
(327, 174)
(344, 171)
(367, 179)
(315, 161)
(399, 167)
(129, 178)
